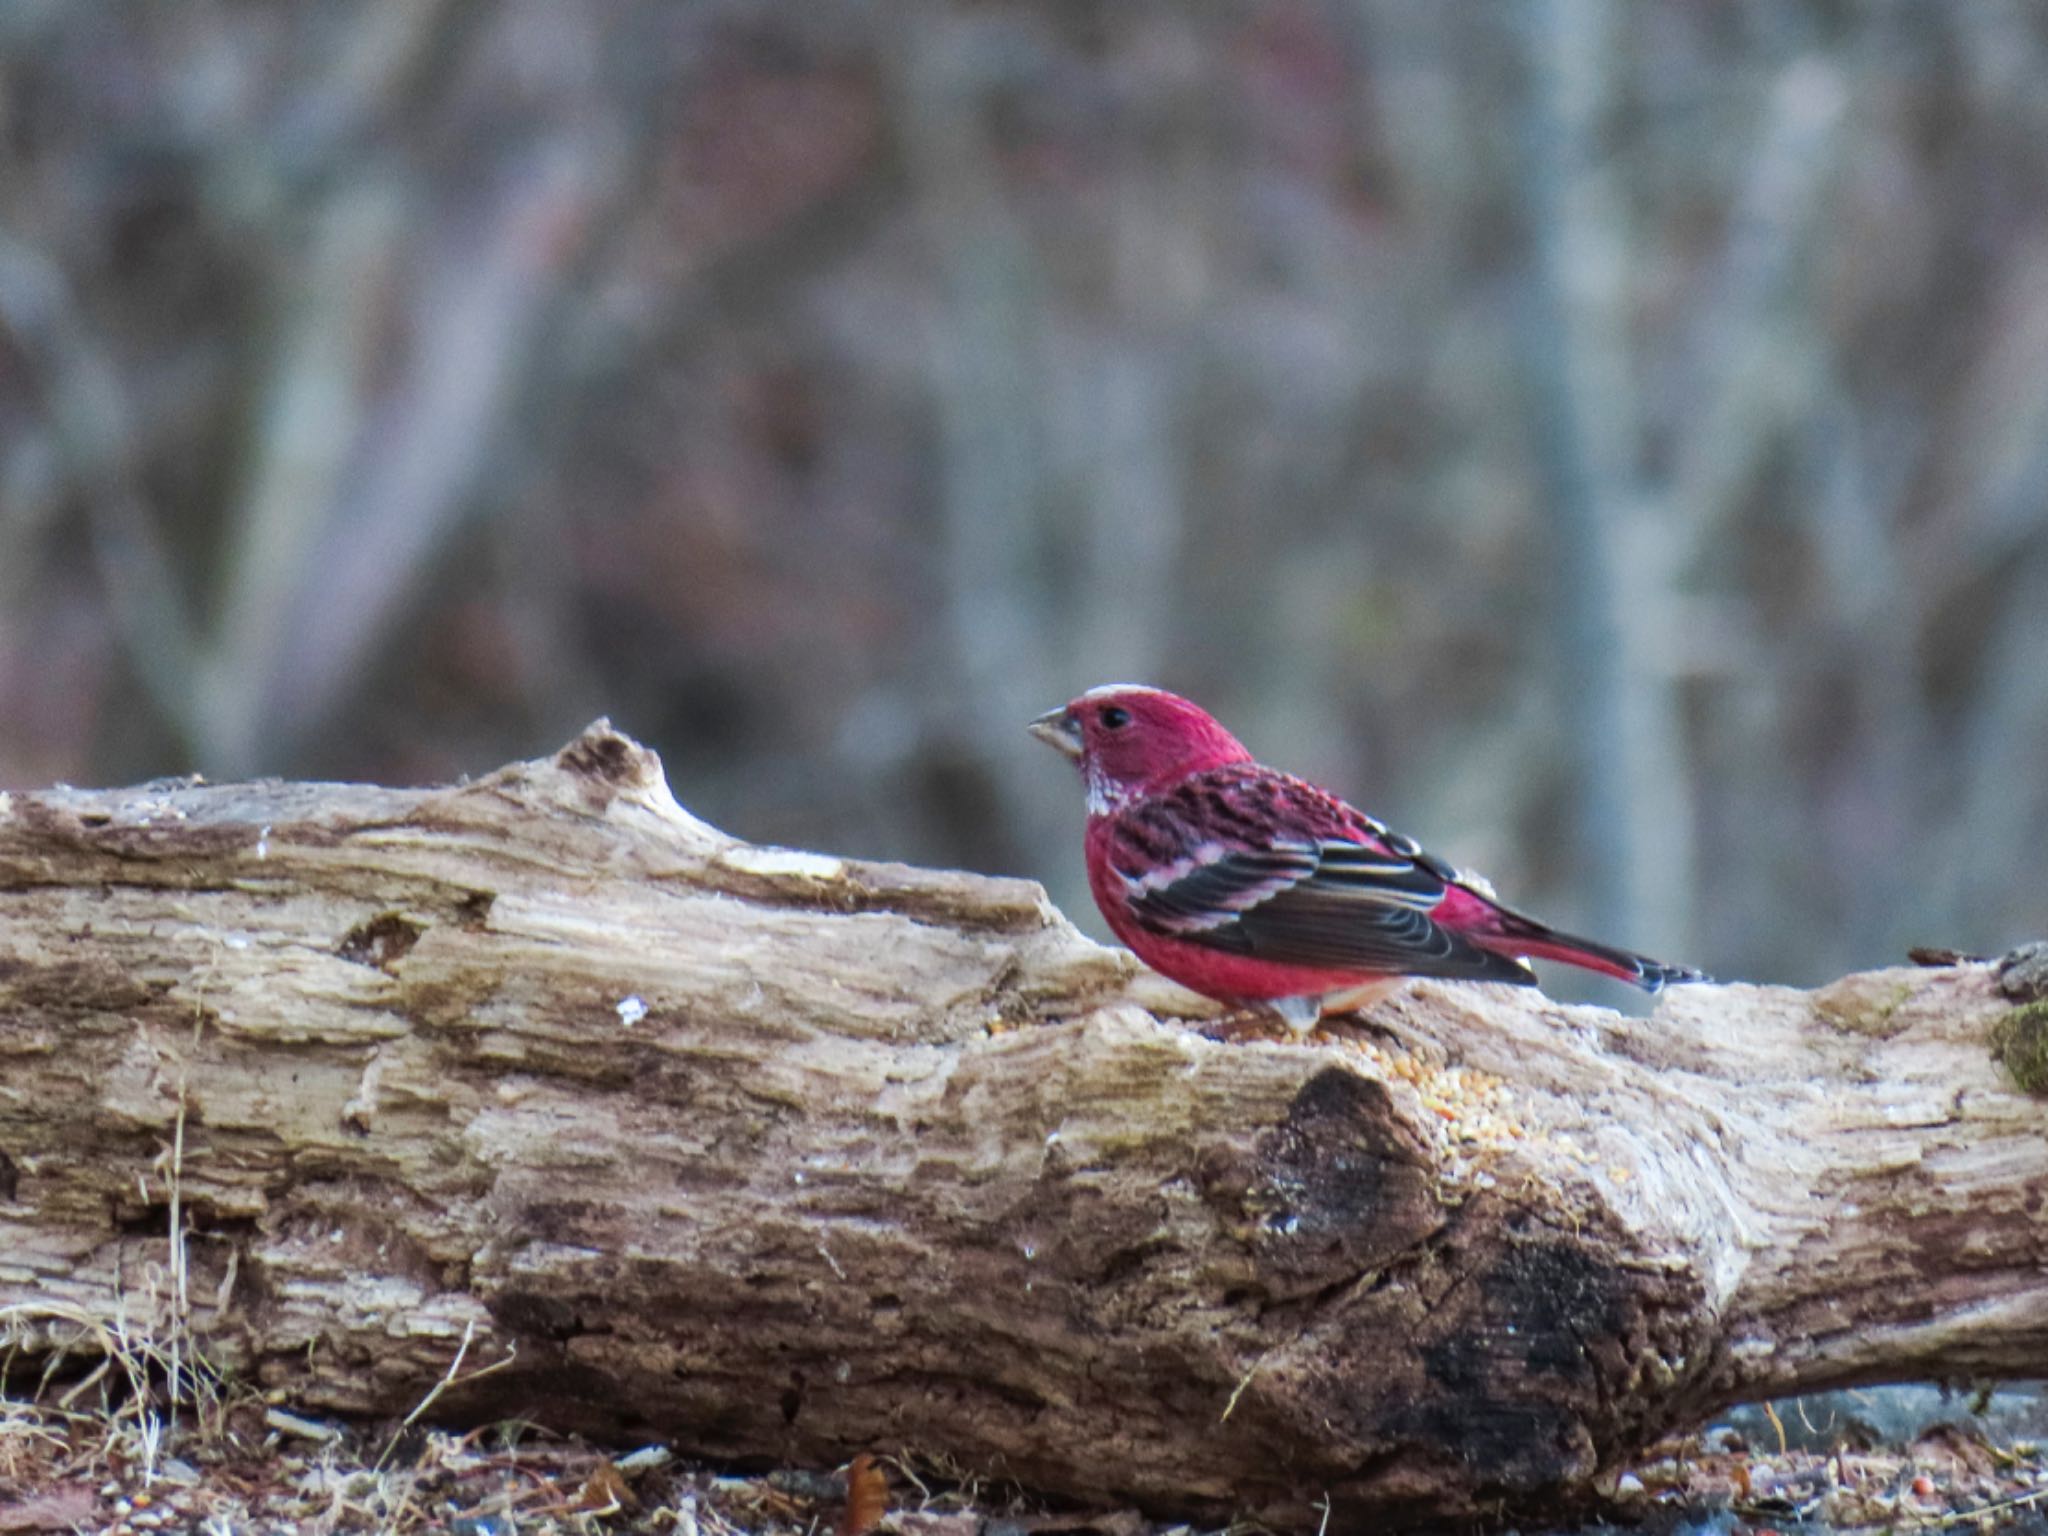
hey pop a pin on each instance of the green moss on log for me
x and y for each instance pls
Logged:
(2020, 1040)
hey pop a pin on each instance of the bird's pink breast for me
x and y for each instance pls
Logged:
(1237, 978)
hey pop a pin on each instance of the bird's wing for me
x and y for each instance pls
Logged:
(1272, 868)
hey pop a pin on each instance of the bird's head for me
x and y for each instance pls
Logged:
(1124, 737)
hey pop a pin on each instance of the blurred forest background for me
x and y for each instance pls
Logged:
(1607, 439)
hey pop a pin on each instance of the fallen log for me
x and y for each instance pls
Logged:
(779, 1156)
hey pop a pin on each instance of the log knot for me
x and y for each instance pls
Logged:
(382, 941)
(1344, 1189)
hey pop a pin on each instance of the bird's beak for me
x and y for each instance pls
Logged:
(1058, 730)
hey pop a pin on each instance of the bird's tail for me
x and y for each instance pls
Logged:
(1519, 935)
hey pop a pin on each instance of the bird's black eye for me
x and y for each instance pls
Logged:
(1115, 719)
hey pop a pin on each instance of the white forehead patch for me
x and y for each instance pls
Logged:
(1107, 689)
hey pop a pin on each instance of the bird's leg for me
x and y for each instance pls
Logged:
(1299, 1014)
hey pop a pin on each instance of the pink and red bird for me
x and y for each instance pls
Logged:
(1258, 889)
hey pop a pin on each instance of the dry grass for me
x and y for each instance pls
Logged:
(272, 1471)
(121, 1426)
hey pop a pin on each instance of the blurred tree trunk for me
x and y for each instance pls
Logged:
(776, 1155)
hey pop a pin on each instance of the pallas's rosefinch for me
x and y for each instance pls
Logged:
(1258, 889)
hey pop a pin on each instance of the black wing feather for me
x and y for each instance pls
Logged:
(1333, 904)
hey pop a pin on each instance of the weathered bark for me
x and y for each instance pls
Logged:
(783, 1156)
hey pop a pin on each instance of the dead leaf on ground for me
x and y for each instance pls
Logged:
(867, 1497)
(605, 1489)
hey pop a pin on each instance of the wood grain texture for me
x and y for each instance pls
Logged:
(781, 1156)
